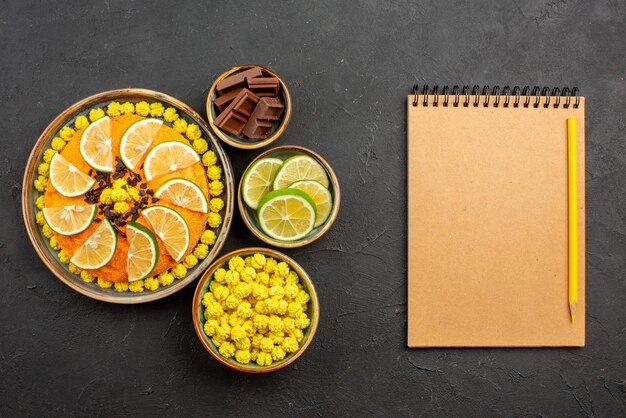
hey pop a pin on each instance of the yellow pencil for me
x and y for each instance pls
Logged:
(573, 216)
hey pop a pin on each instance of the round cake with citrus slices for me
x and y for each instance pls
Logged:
(131, 196)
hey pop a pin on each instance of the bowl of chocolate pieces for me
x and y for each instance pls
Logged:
(248, 106)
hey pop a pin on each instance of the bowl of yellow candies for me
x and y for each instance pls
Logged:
(255, 310)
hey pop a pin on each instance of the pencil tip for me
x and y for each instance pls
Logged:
(572, 311)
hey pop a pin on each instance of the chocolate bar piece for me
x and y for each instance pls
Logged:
(264, 117)
(257, 128)
(269, 108)
(232, 122)
(264, 86)
(224, 100)
(237, 80)
(234, 117)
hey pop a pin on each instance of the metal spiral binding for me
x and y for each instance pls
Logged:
(511, 96)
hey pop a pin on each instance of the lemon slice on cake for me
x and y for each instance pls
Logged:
(300, 167)
(143, 251)
(70, 220)
(99, 248)
(67, 179)
(96, 145)
(167, 157)
(321, 196)
(137, 139)
(170, 227)
(183, 193)
(258, 180)
(287, 214)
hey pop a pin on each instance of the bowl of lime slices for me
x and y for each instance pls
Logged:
(289, 196)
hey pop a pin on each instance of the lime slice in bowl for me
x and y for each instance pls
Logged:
(143, 251)
(70, 220)
(287, 214)
(137, 139)
(170, 227)
(96, 145)
(99, 248)
(300, 167)
(322, 197)
(257, 182)
(183, 193)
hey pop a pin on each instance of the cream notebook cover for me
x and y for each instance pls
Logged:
(488, 219)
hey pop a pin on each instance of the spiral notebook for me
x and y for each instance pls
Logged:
(488, 217)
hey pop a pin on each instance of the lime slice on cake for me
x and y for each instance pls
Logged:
(300, 167)
(67, 179)
(143, 251)
(70, 220)
(170, 227)
(96, 145)
(287, 214)
(137, 139)
(321, 196)
(167, 157)
(183, 193)
(258, 180)
(99, 248)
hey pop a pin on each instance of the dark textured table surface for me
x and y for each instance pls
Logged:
(349, 66)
